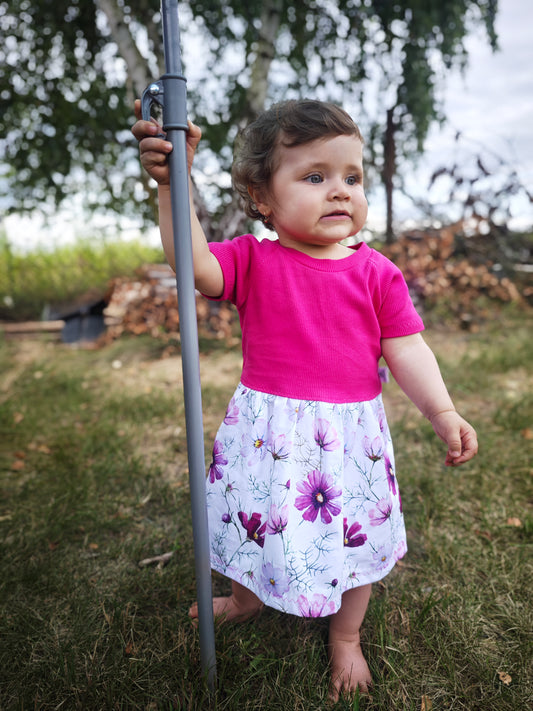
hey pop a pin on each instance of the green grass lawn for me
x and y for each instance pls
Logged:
(93, 479)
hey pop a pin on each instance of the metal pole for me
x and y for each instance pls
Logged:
(175, 127)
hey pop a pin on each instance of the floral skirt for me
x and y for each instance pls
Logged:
(302, 499)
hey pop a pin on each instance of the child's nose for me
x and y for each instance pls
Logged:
(339, 189)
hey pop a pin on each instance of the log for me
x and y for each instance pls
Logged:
(29, 327)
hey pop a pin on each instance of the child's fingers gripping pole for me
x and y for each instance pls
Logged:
(170, 93)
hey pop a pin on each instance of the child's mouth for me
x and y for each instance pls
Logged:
(338, 214)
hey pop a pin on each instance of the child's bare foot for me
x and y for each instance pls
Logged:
(349, 670)
(241, 605)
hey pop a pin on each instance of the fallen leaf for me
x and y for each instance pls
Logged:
(129, 648)
(513, 521)
(485, 534)
(93, 546)
(505, 678)
(41, 448)
(17, 465)
(18, 417)
(527, 433)
(19, 454)
(427, 703)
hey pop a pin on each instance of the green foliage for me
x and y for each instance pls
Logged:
(28, 282)
(64, 111)
(67, 79)
(329, 49)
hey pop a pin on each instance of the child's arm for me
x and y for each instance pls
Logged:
(208, 276)
(415, 369)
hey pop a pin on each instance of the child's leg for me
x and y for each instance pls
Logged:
(239, 606)
(349, 669)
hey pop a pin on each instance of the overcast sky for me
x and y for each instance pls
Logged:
(491, 105)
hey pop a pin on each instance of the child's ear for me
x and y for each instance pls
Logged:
(260, 200)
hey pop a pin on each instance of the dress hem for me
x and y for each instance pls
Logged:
(337, 601)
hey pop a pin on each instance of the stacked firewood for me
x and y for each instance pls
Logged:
(437, 271)
(148, 305)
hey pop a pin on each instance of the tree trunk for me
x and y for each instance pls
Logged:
(264, 51)
(137, 75)
(389, 171)
(233, 220)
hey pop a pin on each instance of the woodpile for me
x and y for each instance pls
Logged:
(465, 288)
(149, 305)
(438, 273)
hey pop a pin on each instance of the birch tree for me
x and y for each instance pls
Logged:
(70, 70)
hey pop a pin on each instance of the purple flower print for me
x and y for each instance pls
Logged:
(379, 412)
(383, 374)
(400, 551)
(381, 513)
(274, 580)
(317, 606)
(381, 558)
(219, 460)
(294, 412)
(254, 444)
(349, 443)
(390, 474)
(254, 531)
(278, 519)
(352, 537)
(226, 518)
(232, 413)
(373, 449)
(318, 493)
(326, 436)
(279, 448)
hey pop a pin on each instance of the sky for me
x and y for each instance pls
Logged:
(491, 106)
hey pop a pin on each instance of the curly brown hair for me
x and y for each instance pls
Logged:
(288, 123)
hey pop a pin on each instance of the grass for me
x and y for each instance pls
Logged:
(93, 478)
(30, 282)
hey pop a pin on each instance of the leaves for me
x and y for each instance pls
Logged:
(67, 88)
(513, 521)
(505, 678)
(59, 110)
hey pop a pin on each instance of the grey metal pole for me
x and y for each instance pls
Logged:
(173, 88)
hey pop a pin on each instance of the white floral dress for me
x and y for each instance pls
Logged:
(302, 499)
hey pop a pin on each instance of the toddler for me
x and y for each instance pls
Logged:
(303, 502)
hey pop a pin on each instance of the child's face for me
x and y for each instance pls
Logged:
(316, 195)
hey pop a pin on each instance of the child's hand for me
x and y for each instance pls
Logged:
(458, 434)
(154, 149)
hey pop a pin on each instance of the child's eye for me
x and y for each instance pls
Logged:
(314, 178)
(352, 179)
